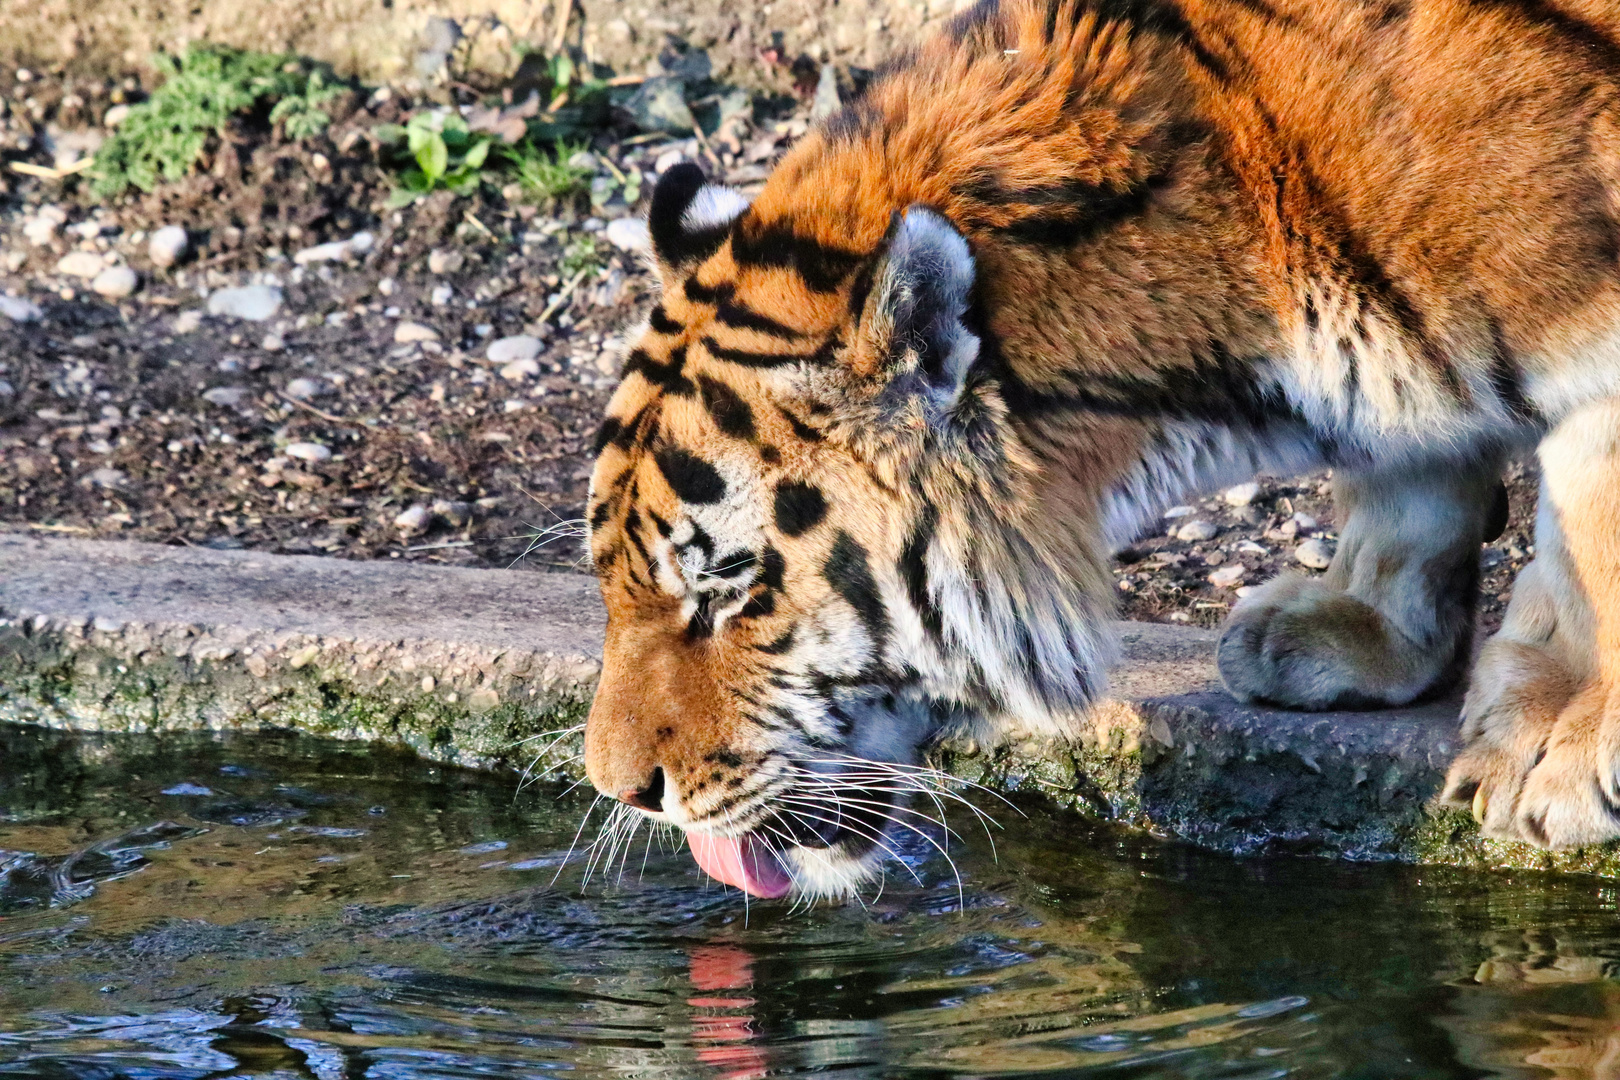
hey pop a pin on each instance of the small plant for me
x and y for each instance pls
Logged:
(443, 151)
(580, 255)
(163, 137)
(546, 175)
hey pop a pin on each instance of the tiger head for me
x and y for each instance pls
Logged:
(812, 525)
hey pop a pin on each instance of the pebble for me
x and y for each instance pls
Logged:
(1244, 591)
(305, 389)
(407, 332)
(441, 295)
(105, 478)
(512, 405)
(1242, 494)
(7, 390)
(168, 246)
(455, 513)
(517, 347)
(337, 250)
(307, 451)
(518, 370)
(255, 303)
(1304, 521)
(1228, 576)
(116, 282)
(225, 396)
(444, 261)
(1179, 512)
(115, 115)
(272, 343)
(17, 309)
(1196, 531)
(187, 322)
(629, 234)
(80, 264)
(413, 520)
(667, 161)
(1314, 554)
(41, 228)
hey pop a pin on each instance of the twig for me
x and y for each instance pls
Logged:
(627, 80)
(472, 219)
(318, 412)
(562, 297)
(442, 544)
(708, 151)
(60, 528)
(48, 173)
(565, 8)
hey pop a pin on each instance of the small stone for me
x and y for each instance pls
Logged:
(518, 370)
(441, 295)
(115, 115)
(105, 478)
(1244, 591)
(1179, 512)
(336, 250)
(1304, 522)
(607, 362)
(512, 405)
(1242, 494)
(452, 513)
(19, 310)
(517, 347)
(1197, 531)
(444, 261)
(116, 282)
(272, 343)
(307, 451)
(826, 101)
(168, 246)
(80, 264)
(255, 303)
(483, 700)
(629, 234)
(1314, 554)
(228, 397)
(1227, 576)
(306, 389)
(667, 161)
(187, 322)
(386, 286)
(407, 332)
(188, 789)
(7, 390)
(413, 520)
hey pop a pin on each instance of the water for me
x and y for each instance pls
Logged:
(287, 907)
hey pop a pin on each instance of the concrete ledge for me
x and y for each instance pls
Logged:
(463, 665)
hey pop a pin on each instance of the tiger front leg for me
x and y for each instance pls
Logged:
(1541, 723)
(1392, 618)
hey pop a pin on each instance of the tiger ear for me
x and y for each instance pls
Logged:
(914, 317)
(690, 217)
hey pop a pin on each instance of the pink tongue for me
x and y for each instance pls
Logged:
(741, 861)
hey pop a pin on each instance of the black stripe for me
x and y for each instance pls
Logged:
(692, 479)
(823, 267)
(849, 572)
(779, 646)
(773, 568)
(661, 323)
(799, 507)
(666, 376)
(1506, 378)
(730, 412)
(800, 428)
(672, 242)
(1594, 43)
(605, 434)
(914, 572)
(742, 317)
(1086, 218)
(761, 360)
(759, 605)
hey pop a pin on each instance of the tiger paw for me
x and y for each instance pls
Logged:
(1302, 644)
(1571, 796)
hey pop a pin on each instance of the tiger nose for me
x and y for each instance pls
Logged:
(650, 796)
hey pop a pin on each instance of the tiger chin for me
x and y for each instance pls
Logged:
(1061, 266)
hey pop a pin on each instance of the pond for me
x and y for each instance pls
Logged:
(280, 906)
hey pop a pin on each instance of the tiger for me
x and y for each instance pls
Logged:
(1056, 268)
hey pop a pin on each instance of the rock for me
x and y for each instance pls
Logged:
(7, 390)
(1196, 531)
(255, 303)
(441, 295)
(413, 520)
(19, 310)
(518, 370)
(187, 322)
(629, 234)
(116, 282)
(407, 332)
(228, 397)
(1304, 522)
(607, 362)
(80, 264)
(1242, 494)
(307, 451)
(453, 513)
(115, 115)
(1228, 576)
(512, 405)
(41, 228)
(105, 478)
(659, 104)
(826, 101)
(517, 347)
(168, 246)
(444, 261)
(272, 343)
(668, 160)
(585, 161)
(1315, 554)
(306, 389)
(1178, 512)
(337, 250)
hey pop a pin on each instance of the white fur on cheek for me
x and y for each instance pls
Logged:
(713, 205)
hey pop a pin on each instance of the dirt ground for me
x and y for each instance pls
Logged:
(148, 418)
